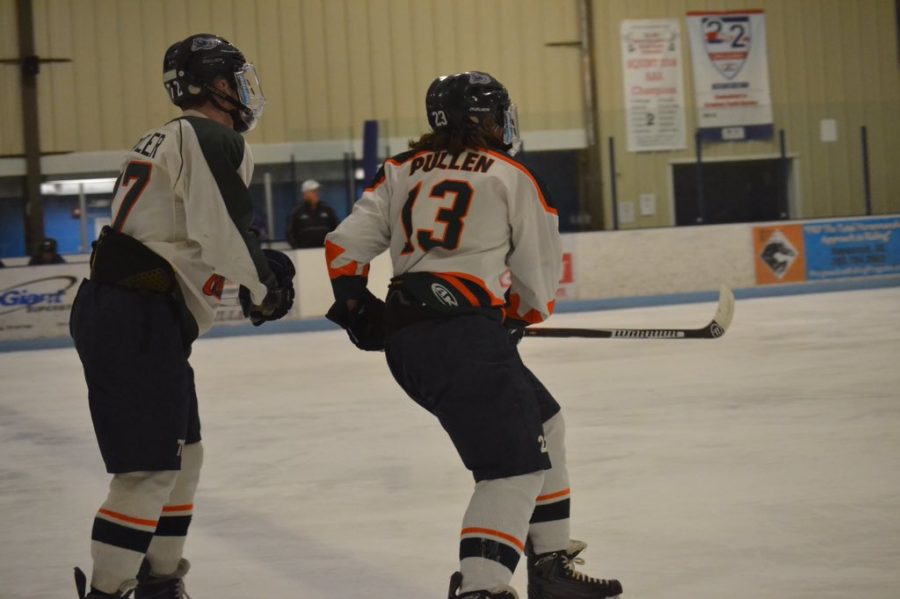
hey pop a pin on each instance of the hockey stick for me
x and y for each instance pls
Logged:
(716, 328)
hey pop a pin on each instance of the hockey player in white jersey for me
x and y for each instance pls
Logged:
(456, 211)
(181, 227)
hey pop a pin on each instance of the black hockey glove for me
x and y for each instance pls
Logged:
(516, 329)
(279, 299)
(364, 325)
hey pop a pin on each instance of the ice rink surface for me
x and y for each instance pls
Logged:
(765, 464)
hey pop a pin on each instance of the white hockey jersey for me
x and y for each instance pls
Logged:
(182, 192)
(465, 219)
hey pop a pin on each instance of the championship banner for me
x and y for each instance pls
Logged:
(654, 96)
(731, 75)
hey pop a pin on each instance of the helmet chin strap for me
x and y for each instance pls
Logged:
(236, 113)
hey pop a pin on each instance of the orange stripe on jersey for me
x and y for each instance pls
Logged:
(495, 301)
(532, 316)
(178, 508)
(494, 533)
(414, 156)
(557, 495)
(129, 519)
(332, 252)
(393, 162)
(459, 286)
(527, 173)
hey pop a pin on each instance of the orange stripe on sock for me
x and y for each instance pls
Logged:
(129, 519)
(556, 495)
(494, 533)
(178, 508)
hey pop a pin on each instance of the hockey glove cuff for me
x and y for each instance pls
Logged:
(364, 324)
(279, 299)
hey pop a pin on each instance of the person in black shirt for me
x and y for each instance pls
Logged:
(312, 220)
(47, 254)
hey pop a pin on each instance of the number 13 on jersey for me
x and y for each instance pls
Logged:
(452, 217)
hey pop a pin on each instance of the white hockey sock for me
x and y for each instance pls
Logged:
(167, 546)
(494, 530)
(549, 530)
(124, 526)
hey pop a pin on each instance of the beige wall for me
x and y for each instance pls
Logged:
(327, 65)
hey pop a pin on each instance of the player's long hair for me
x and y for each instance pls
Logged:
(457, 140)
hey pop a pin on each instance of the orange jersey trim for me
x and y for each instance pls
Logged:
(537, 187)
(494, 533)
(495, 301)
(332, 252)
(459, 286)
(124, 518)
(413, 157)
(557, 495)
(178, 508)
(532, 316)
(393, 162)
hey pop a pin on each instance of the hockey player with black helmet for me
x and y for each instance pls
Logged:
(456, 212)
(181, 217)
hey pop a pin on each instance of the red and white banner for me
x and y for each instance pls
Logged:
(654, 94)
(731, 74)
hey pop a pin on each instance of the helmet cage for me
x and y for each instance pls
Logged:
(253, 102)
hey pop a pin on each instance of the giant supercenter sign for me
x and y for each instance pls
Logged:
(35, 302)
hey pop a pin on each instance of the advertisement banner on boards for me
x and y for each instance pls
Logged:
(852, 248)
(654, 94)
(731, 75)
(35, 301)
(829, 249)
(778, 254)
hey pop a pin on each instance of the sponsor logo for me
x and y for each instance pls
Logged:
(204, 43)
(778, 253)
(37, 295)
(444, 295)
(716, 330)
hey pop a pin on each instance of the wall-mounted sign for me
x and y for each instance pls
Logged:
(731, 75)
(654, 96)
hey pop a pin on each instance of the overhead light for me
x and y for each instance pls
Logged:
(360, 174)
(72, 187)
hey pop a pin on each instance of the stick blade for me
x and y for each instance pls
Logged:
(724, 313)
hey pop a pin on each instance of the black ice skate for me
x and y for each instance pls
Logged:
(553, 576)
(162, 587)
(498, 593)
(81, 587)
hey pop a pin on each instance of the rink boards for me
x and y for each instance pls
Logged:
(35, 301)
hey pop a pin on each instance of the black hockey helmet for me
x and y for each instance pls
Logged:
(467, 99)
(191, 67)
